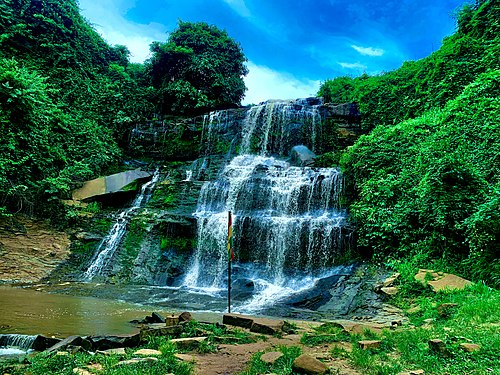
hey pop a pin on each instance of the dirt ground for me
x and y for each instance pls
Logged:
(30, 250)
(233, 359)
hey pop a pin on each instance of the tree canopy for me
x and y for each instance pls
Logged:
(199, 68)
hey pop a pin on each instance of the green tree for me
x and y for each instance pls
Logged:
(199, 68)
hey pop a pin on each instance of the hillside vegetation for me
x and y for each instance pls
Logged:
(68, 99)
(425, 180)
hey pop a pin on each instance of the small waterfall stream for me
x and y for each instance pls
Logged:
(111, 242)
(11, 344)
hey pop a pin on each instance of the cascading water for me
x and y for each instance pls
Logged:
(108, 246)
(11, 344)
(288, 223)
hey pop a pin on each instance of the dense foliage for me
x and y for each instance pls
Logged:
(199, 68)
(429, 185)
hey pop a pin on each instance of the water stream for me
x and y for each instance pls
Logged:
(108, 246)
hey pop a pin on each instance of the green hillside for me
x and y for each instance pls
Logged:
(425, 181)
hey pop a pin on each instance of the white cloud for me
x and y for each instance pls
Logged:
(263, 83)
(108, 19)
(352, 65)
(368, 51)
(239, 7)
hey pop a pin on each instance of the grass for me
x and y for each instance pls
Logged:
(474, 320)
(283, 366)
(326, 333)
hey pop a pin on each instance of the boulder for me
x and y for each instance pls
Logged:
(237, 320)
(118, 341)
(71, 341)
(42, 343)
(352, 327)
(389, 290)
(301, 156)
(271, 357)
(369, 344)
(267, 326)
(189, 342)
(80, 371)
(306, 364)
(185, 317)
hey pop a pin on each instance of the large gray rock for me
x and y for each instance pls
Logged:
(71, 341)
(112, 342)
(301, 156)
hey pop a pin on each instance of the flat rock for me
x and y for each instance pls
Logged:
(237, 320)
(390, 280)
(389, 290)
(189, 342)
(470, 348)
(81, 371)
(267, 326)
(439, 281)
(42, 343)
(369, 344)
(353, 327)
(148, 352)
(134, 361)
(114, 351)
(306, 364)
(271, 357)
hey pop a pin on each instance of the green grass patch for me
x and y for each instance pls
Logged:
(283, 366)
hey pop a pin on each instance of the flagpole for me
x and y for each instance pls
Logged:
(229, 234)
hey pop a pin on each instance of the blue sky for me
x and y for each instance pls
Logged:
(291, 45)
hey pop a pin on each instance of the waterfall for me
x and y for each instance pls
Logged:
(274, 127)
(286, 220)
(14, 344)
(108, 246)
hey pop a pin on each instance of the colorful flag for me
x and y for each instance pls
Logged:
(230, 252)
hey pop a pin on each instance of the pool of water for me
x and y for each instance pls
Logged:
(27, 311)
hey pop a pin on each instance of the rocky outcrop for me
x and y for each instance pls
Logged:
(123, 182)
(440, 281)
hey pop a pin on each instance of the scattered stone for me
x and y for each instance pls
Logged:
(71, 341)
(414, 309)
(147, 352)
(114, 351)
(62, 353)
(369, 344)
(470, 348)
(390, 280)
(80, 371)
(189, 342)
(437, 345)
(413, 372)
(271, 357)
(42, 343)
(267, 326)
(133, 361)
(185, 357)
(445, 310)
(389, 291)
(306, 364)
(119, 341)
(153, 330)
(237, 320)
(95, 367)
(441, 281)
(185, 317)
(88, 237)
(75, 349)
(352, 327)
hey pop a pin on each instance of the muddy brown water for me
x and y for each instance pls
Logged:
(26, 311)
